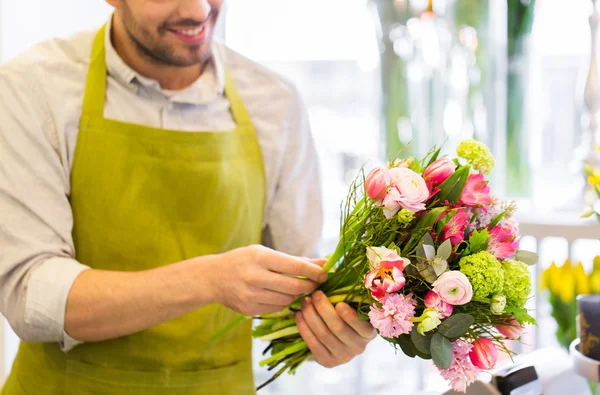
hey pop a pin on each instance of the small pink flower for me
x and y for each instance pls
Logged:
(433, 300)
(462, 372)
(438, 172)
(377, 182)
(454, 288)
(512, 330)
(387, 275)
(503, 243)
(476, 192)
(455, 228)
(393, 319)
(408, 191)
(484, 353)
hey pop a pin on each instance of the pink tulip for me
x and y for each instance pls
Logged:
(438, 172)
(455, 228)
(387, 275)
(454, 288)
(512, 330)
(476, 192)
(484, 353)
(377, 182)
(433, 300)
(502, 242)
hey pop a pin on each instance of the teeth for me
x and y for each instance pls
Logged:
(193, 32)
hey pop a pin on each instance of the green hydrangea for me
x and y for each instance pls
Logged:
(477, 154)
(517, 283)
(485, 274)
(405, 216)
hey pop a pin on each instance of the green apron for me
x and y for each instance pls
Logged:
(145, 197)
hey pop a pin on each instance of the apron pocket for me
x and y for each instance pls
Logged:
(87, 379)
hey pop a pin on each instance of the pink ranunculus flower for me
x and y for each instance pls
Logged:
(476, 192)
(503, 243)
(433, 300)
(438, 172)
(454, 287)
(455, 228)
(393, 318)
(484, 353)
(461, 372)
(408, 191)
(377, 182)
(512, 330)
(387, 275)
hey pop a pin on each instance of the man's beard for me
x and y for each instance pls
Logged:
(160, 53)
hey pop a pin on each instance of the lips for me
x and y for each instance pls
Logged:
(191, 35)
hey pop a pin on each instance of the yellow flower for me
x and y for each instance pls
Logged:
(581, 280)
(564, 283)
(546, 277)
(595, 282)
(597, 264)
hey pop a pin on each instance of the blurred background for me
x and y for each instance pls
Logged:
(377, 74)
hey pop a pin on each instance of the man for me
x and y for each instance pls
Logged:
(141, 167)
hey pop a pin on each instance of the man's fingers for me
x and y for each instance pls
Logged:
(297, 267)
(350, 316)
(265, 296)
(286, 285)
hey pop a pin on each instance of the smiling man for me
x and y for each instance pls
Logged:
(153, 185)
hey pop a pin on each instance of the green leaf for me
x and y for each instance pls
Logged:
(423, 226)
(434, 157)
(452, 189)
(528, 257)
(588, 214)
(522, 315)
(407, 346)
(421, 343)
(496, 219)
(441, 351)
(456, 325)
(445, 250)
(479, 240)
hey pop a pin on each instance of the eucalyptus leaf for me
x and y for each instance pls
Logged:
(528, 257)
(421, 343)
(426, 271)
(440, 265)
(429, 251)
(407, 346)
(456, 325)
(427, 239)
(441, 351)
(445, 250)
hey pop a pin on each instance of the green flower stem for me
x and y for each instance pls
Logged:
(283, 324)
(349, 234)
(482, 300)
(343, 290)
(288, 351)
(292, 330)
(342, 298)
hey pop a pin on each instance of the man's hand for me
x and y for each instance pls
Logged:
(334, 335)
(257, 280)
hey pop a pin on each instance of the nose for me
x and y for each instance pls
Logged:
(198, 10)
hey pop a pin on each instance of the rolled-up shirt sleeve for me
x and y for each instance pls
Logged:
(37, 265)
(295, 219)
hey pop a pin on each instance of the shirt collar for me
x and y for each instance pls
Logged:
(202, 91)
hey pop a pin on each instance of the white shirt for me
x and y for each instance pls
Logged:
(41, 94)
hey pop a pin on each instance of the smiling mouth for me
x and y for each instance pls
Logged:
(192, 36)
(189, 32)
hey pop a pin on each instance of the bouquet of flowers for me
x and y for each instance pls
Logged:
(429, 256)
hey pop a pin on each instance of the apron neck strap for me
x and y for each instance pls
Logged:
(93, 102)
